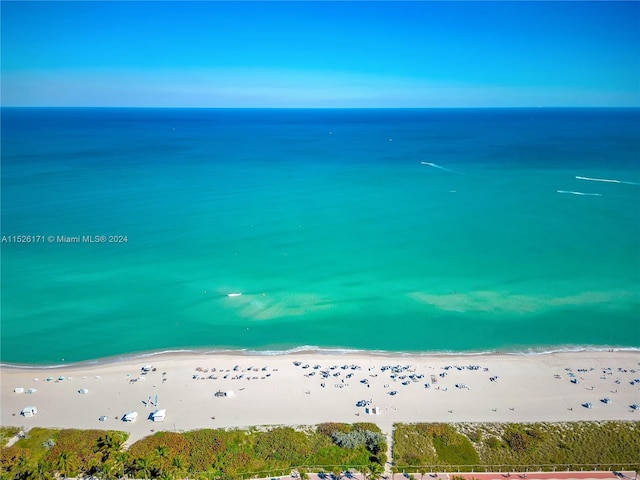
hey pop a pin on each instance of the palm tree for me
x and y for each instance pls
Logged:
(108, 444)
(376, 470)
(178, 466)
(366, 471)
(120, 461)
(162, 452)
(66, 463)
(143, 467)
(42, 471)
(106, 470)
(21, 468)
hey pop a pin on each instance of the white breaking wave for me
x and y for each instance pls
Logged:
(606, 180)
(580, 193)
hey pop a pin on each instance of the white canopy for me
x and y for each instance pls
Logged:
(29, 411)
(83, 391)
(18, 390)
(158, 415)
(130, 417)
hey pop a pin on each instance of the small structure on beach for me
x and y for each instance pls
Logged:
(373, 410)
(220, 393)
(130, 417)
(83, 391)
(29, 411)
(18, 390)
(158, 415)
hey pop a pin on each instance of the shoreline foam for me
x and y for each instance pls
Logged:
(312, 349)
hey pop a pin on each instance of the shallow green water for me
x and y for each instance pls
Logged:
(329, 225)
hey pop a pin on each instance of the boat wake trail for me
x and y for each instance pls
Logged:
(606, 180)
(580, 193)
(434, 165)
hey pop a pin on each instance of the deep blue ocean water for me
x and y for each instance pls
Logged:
(329, 224)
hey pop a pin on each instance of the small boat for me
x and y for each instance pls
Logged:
(233, 294)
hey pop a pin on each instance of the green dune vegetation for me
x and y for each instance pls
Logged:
(423, 448)
(330, 447)
(220, 454)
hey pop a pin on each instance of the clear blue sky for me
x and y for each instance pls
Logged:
(320, 54)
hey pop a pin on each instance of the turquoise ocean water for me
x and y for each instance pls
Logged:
(328, 223)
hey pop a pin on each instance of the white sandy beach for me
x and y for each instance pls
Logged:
(270, 390)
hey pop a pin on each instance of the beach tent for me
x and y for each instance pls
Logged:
(147, 368)
(31, 390)
(83, 391)
(373, 410)
(130, 417)
(158, 415)
(29, 411)
(18, 390)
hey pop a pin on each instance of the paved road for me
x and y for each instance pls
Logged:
(590, 475)
(597, 475)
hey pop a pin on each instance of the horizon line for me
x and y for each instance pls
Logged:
(158, 107)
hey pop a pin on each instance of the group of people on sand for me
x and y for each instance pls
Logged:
(404, 375)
